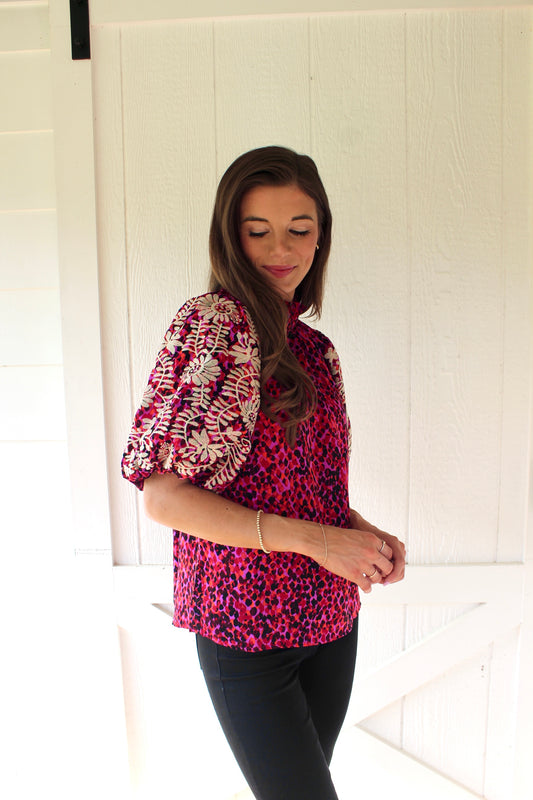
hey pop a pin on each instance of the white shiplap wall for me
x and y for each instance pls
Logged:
(33, 458)
(54, 687)
(420, 125)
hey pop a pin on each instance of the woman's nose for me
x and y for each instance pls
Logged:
(281, 245)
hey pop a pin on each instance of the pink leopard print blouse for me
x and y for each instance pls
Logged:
(200, 418)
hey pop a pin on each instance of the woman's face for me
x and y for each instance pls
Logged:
(279, 233)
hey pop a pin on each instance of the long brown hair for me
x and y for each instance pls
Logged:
(230, 270)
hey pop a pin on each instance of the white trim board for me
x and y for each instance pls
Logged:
(395, 772)
(104, 12)
(496, 589)
(436, 583)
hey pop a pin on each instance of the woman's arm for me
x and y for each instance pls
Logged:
(352, 554)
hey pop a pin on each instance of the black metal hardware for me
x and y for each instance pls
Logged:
(80, 29)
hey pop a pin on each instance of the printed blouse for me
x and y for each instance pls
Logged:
(200, 418)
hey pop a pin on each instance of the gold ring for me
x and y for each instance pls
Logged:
(374, 573)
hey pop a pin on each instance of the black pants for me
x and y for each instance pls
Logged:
(281, 712)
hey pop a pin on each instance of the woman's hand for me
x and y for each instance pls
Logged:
(365, 554)
(358, 556)
(397, 557)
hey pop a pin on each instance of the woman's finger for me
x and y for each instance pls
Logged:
(365, 583)
(384, 549)
(383, 564)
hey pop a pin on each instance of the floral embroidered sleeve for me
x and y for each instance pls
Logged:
(334, 364)
(199, 409)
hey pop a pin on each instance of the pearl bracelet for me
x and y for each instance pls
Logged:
(262, 544)
(258, 526)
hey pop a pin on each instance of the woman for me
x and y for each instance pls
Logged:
(242, 445)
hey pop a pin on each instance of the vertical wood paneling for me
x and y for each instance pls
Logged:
(454, 193)
(169, 179)
(25, 91)
(262, 85)
(428, 296)
(517, 257)
(109, 168)
(454, 190)
(358, 134)
(503, 745)
(168, 174)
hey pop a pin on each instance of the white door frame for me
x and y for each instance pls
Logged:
(78, 269)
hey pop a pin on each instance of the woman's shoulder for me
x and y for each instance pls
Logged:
(323, 345)
(215, 309)
(213, 324)
(316, 336)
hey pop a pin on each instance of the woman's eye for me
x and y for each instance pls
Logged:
(260, 234)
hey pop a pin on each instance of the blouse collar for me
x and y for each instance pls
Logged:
(295, 309)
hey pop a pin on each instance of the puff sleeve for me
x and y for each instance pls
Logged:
(200, 407)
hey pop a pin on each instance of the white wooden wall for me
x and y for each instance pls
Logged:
(59, 732)
(420, 125)
(32, 419)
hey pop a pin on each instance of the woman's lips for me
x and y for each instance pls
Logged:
(279, 271)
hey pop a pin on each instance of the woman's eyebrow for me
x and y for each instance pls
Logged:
(262, 219)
